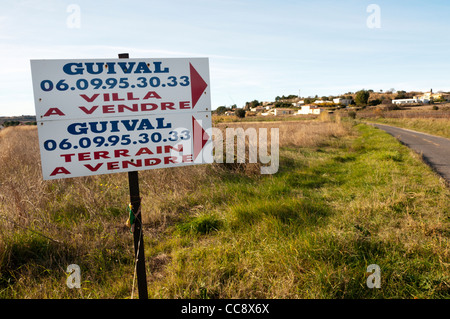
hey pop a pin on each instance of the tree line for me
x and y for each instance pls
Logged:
(15, 123)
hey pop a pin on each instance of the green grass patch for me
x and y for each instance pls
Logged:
(311, 230)
(202, 225)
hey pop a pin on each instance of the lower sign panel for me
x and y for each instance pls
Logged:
(113, 145)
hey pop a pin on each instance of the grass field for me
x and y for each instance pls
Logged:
(346, 196)
(434, 126)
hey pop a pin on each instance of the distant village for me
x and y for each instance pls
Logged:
(295, 105)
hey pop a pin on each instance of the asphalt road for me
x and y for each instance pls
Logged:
(435, 150)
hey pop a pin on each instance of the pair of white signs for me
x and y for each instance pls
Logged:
(104, 116)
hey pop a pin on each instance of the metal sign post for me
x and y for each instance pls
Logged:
(138, 236)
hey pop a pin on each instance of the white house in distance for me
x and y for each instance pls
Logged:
(278, 111)
(321, 102)
(257, 109)
(342, 101)
(411, 101)
(308, 109)
(433, 96)
(299, 103)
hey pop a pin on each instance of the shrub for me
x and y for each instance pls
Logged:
(375, 102)
(379, 112)
(352, 114)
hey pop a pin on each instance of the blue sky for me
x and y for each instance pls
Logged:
(257, 49)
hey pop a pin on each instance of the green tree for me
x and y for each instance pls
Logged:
(11, 123)
(251, 104)
(401, 95)
(240, 113)
(282, 105)
(221, 110)
(362, 97)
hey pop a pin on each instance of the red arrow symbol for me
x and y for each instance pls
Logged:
(200, 137)
(198, 85)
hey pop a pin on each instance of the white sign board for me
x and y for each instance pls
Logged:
(118, 115)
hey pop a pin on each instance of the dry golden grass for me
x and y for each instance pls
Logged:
(298, 133)
(25, 196)
(20, 180)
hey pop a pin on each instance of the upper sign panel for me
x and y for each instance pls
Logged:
(98, 88)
